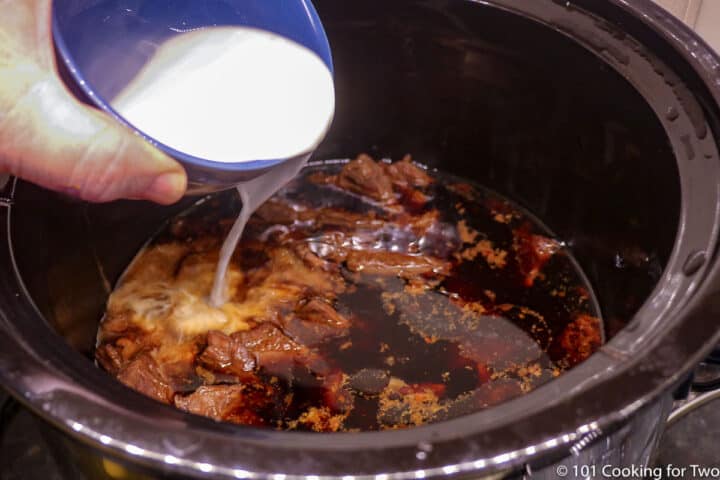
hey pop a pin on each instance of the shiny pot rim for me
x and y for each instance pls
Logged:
(667, 337)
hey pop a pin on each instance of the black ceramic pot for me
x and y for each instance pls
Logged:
(601, 117)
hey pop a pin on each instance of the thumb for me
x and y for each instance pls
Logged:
(49, 138)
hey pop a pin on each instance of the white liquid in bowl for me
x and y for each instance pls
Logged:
(234, 94)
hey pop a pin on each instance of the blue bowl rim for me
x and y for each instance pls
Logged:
(100, 102)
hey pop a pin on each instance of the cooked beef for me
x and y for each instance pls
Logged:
(145, 375)
(312, 260)
(373, 298)
(332, 246)
(421, 224)
(109, 358)
(275, 212)
(265, 347)
(315, 322)
(177, 362)
(276, 353)
(231, 403)
(321, 312)
(397, 264)
(366, 177)
(227, 354)
(348, 221)
(286, 271)
(406, 174)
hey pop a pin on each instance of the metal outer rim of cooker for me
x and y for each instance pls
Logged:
(65, 389)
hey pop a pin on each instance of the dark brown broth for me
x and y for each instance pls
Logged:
(481, 336)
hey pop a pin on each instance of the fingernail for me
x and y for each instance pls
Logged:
(167, 188)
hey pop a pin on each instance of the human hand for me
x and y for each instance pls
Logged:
(50, 138)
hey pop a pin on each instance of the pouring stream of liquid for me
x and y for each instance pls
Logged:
(253, 193)
(234, 94)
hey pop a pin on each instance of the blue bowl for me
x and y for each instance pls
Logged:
(104, 43)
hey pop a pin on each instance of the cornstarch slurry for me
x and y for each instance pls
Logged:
(232, 95)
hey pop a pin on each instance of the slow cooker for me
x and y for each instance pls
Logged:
(600, 117)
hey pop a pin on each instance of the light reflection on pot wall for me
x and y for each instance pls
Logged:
(702, 15)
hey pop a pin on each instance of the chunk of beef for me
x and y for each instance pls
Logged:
(350, 221)
(287, 272)
(398, 264)
(276, 353)
(366, 177)
(335, 246)
(406, 174)
(276, 211)
(226, 354)
(314, 322)
(231, 403)
(121, 340)
(145, 375)
(177, 362)
(109, 358)
(413, 200)
(118, 323)
(332, 246)
(312, 260)
(321, 312)
(421, 224)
